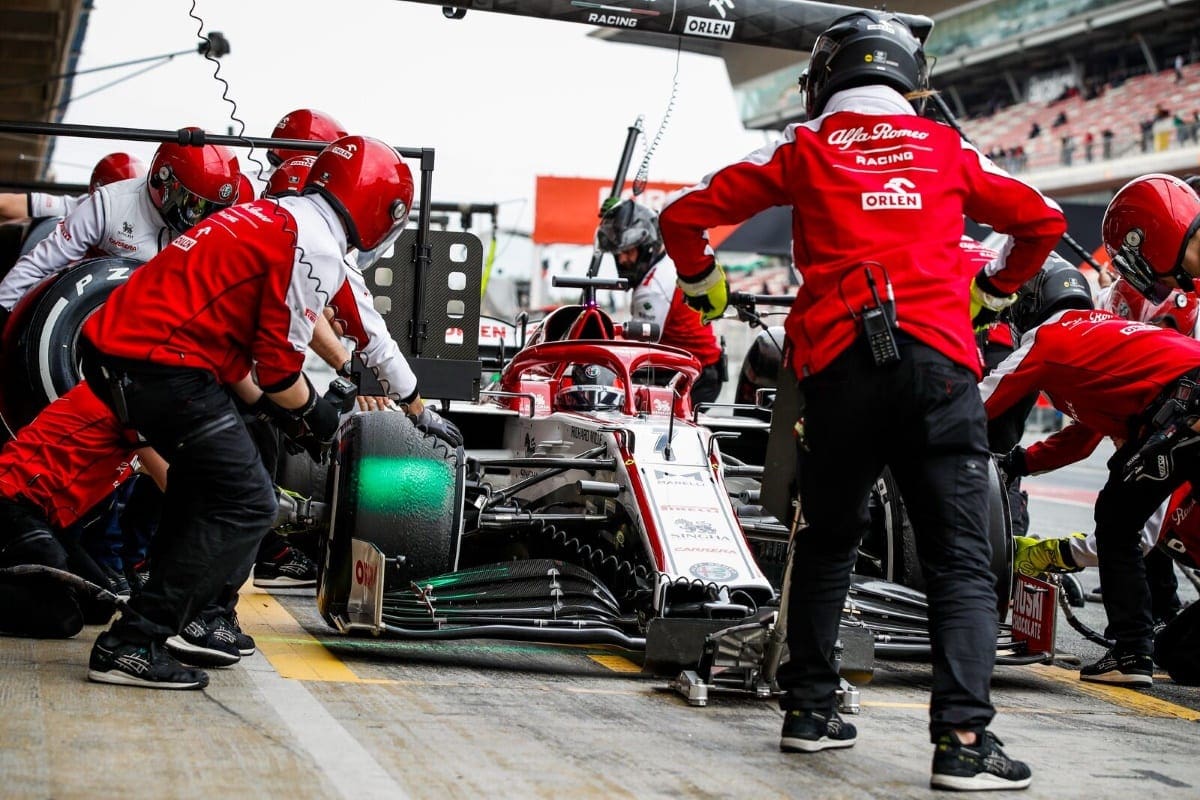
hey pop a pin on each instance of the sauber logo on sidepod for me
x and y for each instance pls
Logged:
(897, 196)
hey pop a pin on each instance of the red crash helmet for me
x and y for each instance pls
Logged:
(289, 177)
(1180, 310)
(307, 124)
(1146, 230)
(187, 183)
(245, 192)
(115, 167)
(369, 187)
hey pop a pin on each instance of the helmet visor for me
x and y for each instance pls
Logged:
(367, 258)
(590, 398)
(182, 209)
(1140, 274)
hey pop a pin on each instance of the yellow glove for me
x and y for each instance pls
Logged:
(984, 306)
(708, 294)
(1034, 557)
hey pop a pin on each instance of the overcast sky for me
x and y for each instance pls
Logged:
(501, 98)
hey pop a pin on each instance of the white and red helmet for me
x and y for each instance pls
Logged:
(1180, 310)
(306, 124)
(187, 183)
(115, 167)
(371, 189)
(1146, 229)
(290, 176)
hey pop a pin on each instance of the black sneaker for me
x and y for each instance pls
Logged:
(813, 731)
(976, 767)
(244, 642)
(291, 569)
(1120, 669)
(204, 644)
(118, 584)
(116, 661)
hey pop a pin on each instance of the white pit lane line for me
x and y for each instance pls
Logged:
(339, 756)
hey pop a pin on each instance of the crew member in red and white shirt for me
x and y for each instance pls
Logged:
(1113, 377)
(240, 291)
(878, 195)
(629, 230)
(56, 471)
(134, 218)
(110, 169)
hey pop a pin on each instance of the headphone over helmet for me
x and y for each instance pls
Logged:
(1146, 229)
(307, 124)
(1058, 287)
(629, 225)
(115, 167)
(860, 49)
(288, 179)
(187, 183)
(369, 187)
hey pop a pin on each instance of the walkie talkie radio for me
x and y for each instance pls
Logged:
(879, 323)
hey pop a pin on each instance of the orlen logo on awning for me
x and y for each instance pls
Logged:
(897, 196)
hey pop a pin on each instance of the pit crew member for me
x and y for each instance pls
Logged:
(110, 169)
(886, 359)
(630, 232)
(242, 289)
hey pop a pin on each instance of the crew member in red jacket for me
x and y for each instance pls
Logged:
(1136, 383)
(53, 474)
(241, 290)
(883, 343)
(630, 232)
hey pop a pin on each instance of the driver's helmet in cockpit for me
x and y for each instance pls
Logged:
(592, 388)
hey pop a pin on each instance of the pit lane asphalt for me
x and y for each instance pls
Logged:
(316, 715)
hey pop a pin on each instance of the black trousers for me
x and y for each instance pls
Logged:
(219, 500)
(923, 418)
(1121, 511)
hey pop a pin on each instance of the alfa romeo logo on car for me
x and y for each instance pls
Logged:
(712, 571)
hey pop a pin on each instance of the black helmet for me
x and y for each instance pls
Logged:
(627, 225)
(859, 49)
(593, 388)
(1057, 287)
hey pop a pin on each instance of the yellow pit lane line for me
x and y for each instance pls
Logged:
(1117, 695)
(290, 649)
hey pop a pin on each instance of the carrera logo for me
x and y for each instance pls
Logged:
(844, 138)
(184, 243)
(711, 28)
(126, 246)
(898, 196)
(612, 19)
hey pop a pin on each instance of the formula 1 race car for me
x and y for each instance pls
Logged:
(594, 505)
(590, 507)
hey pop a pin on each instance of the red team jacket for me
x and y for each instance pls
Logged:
(1099, 369)
(71, 457)
(869, 181)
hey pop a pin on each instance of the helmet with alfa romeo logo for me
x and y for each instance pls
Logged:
(1146, 230)
(862, 49)
(189, 182)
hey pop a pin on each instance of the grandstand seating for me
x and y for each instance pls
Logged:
(1120, 109)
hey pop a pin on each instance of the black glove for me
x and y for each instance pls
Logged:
(1012, 465)
(431, 422)
(311, 427)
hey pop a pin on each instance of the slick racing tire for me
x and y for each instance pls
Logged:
(889, 550)
(397, 490)
(38, 350)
